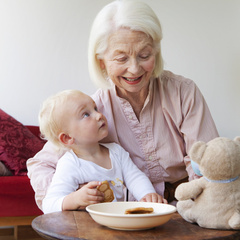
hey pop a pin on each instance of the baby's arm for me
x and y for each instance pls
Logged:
(137, 182)
(65, 184)
(86, 195)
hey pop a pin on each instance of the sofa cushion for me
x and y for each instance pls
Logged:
(17, 144)
(17, 197)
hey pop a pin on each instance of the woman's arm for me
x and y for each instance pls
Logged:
(41, 169)
(198, 124)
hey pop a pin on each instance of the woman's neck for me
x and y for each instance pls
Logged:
(136, 99)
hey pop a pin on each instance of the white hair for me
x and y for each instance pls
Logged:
(134, 15)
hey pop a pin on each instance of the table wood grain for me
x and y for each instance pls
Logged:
(79, 225)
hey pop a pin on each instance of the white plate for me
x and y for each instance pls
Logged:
(113, 215)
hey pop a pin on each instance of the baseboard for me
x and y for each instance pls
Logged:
(19, 233)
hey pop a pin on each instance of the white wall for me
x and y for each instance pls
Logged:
(43, 49)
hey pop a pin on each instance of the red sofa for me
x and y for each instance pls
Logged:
(17, 203)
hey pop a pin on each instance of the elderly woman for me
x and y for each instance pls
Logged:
(154, 114)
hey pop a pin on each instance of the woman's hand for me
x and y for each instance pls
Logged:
(84, 196)
(153, 197)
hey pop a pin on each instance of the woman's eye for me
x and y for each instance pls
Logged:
(121, 60)
(144, 56)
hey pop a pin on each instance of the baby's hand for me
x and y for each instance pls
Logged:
(88, 194)
(153, 197)
(84, 196)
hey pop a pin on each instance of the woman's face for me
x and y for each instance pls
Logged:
(129, 60)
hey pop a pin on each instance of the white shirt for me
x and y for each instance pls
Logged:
(72, 171)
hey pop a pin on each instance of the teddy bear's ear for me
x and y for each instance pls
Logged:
(237, 139)
(197, 150)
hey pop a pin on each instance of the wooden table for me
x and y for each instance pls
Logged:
(79, 225)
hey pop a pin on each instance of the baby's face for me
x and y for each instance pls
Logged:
(83, 122)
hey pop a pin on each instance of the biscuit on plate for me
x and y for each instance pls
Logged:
(139, 210)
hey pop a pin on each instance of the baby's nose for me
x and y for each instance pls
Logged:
(99, 116)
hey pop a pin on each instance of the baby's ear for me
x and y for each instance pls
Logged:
(197, 150)
(65, 139)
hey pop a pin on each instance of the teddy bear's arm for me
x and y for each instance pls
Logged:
(189, 190)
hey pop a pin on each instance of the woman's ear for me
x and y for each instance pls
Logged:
(65, 139)
(101, 63)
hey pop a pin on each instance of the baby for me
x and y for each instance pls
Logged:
(71, 121)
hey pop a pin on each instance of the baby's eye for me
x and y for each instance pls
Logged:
(96, 109)
(86, 115)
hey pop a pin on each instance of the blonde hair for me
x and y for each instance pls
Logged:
(134, 15)
(51, 113)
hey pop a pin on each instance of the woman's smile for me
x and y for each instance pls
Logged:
(132, 80)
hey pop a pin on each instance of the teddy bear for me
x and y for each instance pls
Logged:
(213, 200)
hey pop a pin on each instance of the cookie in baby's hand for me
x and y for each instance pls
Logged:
(139, 210)
(108, 192)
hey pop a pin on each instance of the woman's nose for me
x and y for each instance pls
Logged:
(133, 66)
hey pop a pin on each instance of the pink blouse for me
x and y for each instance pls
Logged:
(174, 116)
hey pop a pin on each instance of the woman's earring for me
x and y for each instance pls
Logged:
(107, 78)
